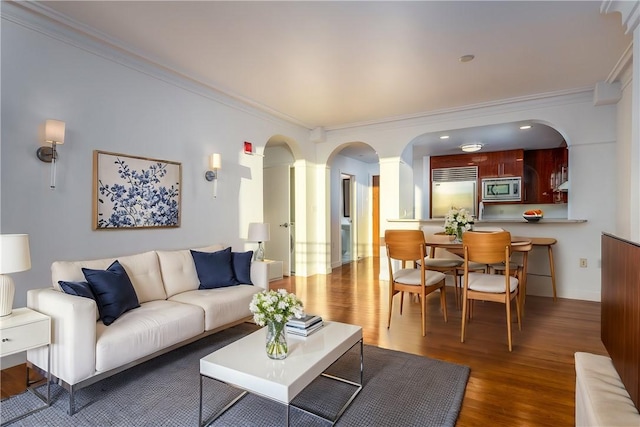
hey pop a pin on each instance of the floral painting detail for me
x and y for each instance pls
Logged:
(135, 192)
(457, 222)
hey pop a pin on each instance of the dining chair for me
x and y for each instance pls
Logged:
(408, 247)
(488, 248)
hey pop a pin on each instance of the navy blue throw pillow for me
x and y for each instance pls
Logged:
(242, 266)
(113, 290)
(79, 289)
(214, 269)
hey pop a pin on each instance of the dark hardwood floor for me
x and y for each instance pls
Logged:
(532, 386)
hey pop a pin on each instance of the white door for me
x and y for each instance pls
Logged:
(276, 192)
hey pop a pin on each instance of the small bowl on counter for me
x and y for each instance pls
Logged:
(532, 218)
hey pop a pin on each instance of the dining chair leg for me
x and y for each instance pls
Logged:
(508, 308)
(464, 316)
(519, 310)
(423, 312)
(390, 304)
(401, 301)
(443, 300)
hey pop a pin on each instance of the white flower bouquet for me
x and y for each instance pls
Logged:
(274, 309)
(457, 221)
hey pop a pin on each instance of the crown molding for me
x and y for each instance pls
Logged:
(44, 20)
(629, 10)
(541, 100)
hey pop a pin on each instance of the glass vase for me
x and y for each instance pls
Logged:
(457, 238)
(276, 345)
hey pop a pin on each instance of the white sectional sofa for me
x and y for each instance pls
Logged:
(172, 312)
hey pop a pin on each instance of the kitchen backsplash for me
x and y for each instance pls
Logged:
(511, 211)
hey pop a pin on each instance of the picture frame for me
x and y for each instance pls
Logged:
(132, 192)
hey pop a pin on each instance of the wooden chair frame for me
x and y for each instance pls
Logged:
(488, 248)
(408, 246)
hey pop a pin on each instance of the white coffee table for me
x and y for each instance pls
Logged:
(244, 364)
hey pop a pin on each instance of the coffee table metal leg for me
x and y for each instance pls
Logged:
(346, 381)
(223, 410)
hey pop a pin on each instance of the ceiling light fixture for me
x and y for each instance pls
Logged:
(470, 148)
(466, 58)
(525, 127)
(444, 137)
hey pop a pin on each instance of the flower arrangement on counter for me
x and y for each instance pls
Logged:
(457, 222)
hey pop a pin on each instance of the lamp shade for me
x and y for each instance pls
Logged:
(54, 132)
(215, 161)
(258, 232)
(14, 253)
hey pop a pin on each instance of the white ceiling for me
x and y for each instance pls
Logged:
(333, 64)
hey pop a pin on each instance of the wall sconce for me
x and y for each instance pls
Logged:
(14, 257)
(258, 232)
(54, 135)
(215, 163)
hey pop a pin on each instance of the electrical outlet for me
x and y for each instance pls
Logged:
(583, 262)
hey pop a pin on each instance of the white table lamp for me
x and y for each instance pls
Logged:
(14, 257)
(258, 232)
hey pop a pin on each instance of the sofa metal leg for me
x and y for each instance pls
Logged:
(72, 404)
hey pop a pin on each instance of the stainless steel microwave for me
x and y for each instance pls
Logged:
(507, 189)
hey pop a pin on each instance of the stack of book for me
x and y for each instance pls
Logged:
(305, 326)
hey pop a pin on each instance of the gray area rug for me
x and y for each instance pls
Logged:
(400, 389)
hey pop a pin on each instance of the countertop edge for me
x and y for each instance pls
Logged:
(496, 221)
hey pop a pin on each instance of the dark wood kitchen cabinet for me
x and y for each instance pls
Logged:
(502, 163)
(544, 171)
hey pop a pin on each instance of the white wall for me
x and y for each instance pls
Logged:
(111, 106)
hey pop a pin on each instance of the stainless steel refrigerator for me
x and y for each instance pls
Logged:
(453, 187)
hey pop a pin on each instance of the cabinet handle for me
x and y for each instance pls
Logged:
(5, 339)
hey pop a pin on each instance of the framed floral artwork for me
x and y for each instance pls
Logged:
(135, 192)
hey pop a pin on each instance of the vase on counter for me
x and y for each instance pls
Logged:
(457, 238)
(276, 344)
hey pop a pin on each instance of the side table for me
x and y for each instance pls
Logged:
(266, 271)
(25, 329)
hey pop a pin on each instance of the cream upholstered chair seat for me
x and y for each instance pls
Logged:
(413, 276)
(490, 283)
(444, 263)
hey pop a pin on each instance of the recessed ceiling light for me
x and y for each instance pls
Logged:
(466, 58)
(525, 127)
(444, 137)
(470, 148)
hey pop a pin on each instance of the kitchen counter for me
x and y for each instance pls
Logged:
(493, 221)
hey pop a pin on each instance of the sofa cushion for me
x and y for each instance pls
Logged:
(221, 305)
(79, 289)
(71, 271)
(214, 269)
(241, 262)
(143, 270)
(179, 270)
(138, 333)
(113, 290)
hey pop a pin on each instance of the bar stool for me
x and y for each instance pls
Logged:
(548, 242)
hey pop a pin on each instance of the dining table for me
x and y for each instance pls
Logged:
(519, 244)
